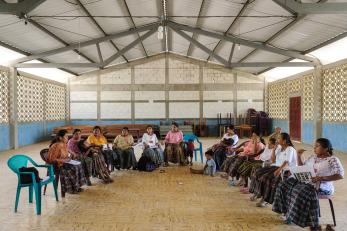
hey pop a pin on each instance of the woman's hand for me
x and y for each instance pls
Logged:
(316, 179)
(300, 152)
(278, 172)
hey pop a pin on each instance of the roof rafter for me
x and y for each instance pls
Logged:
(244, 7)
(87, 43)
(20, 8)
(248, 43)
(198, 22)
(98, 26)
(313, 8)
(134, 25)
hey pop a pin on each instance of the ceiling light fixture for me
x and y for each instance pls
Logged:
(160, 32)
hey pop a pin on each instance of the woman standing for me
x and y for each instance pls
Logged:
(71, 176)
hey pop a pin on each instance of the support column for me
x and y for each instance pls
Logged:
(67, 103)
(167, 106)
(13, 109)
(318, 101)
(132, 95)
(44, 95)
(201, 92)
(235, 98)
(98, 97)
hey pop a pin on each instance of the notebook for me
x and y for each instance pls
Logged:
(303, 173)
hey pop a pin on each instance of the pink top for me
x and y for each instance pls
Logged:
(174, 137)
(249, 148)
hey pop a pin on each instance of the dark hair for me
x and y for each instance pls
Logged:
(80, 145)
(149, 126)
(272, 141)
(75, 131)
(175, 124)
(231, 126)
(262, 140)
(325, 143)
(97, 127)
(285, 136)
(126, 128)
(58, 136)
(257, 133)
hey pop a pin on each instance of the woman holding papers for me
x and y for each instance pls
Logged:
(71, 172)
(299, 200)
(151, 147)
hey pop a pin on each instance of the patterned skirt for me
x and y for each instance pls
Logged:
(298, 201)
(235, 165)
(87, 164)
(99, 167)
(227, 163)
(264, 182)
(71, 177)
(247, 167)
(155, 154)
(126, 158)
(174, 153)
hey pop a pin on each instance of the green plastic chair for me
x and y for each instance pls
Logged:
(18, 161)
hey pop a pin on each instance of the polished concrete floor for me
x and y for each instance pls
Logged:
(174, 200)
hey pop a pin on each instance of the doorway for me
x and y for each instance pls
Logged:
(295, 118)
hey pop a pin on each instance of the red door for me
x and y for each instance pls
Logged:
(295, 118)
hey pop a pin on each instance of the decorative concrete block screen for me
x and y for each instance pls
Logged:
(335, 94)
(308, 97)
(38, 100)
(278, 100)
(30, 93)
(55, 102)
(4, 96)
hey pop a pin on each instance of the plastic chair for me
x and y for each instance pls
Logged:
(18, 161)
(56, 170)
(330, 199)
(194, 138)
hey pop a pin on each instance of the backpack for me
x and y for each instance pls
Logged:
(145, 164)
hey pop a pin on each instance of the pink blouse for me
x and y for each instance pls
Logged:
(248, 149)
(174, 137)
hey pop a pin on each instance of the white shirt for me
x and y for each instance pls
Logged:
(234, 137)
(266, 155)
(289, 155)
(150, 140)
(325, 167)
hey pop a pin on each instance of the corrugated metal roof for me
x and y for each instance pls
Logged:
(303, 35)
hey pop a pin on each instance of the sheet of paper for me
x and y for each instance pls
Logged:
(73, 162)
(303, 173)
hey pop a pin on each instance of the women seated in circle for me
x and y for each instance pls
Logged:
(299, 200)
(76, 154)
(122, 145)
(252, 164)
(251, 148)
(220, 150)
(265, 180)
(71, 176)
(99, 167)
(151, 147)
(98, 141)
(173, 150)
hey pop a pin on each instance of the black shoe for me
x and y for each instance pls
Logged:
(88, 182)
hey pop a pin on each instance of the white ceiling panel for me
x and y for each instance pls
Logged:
(184, 8)
(264, 56)
(179, 44)
(144, 8)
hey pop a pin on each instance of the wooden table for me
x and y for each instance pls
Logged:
(245, 128)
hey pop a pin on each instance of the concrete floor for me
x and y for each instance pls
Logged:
(175, 200)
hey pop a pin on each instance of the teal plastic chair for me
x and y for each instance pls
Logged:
(18, 161)
(193, 137)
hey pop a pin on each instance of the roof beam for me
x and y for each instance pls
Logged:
(27, 54)
(86, 43)
(231, 53)
(134, 25)
(201, 46)
(43, 29)
(20, 8)
(198, 22)
(98, 26)
(244, 7)
(281, 31)
(244, 42)
(57, 65)
(313, 8)
(128, 47)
